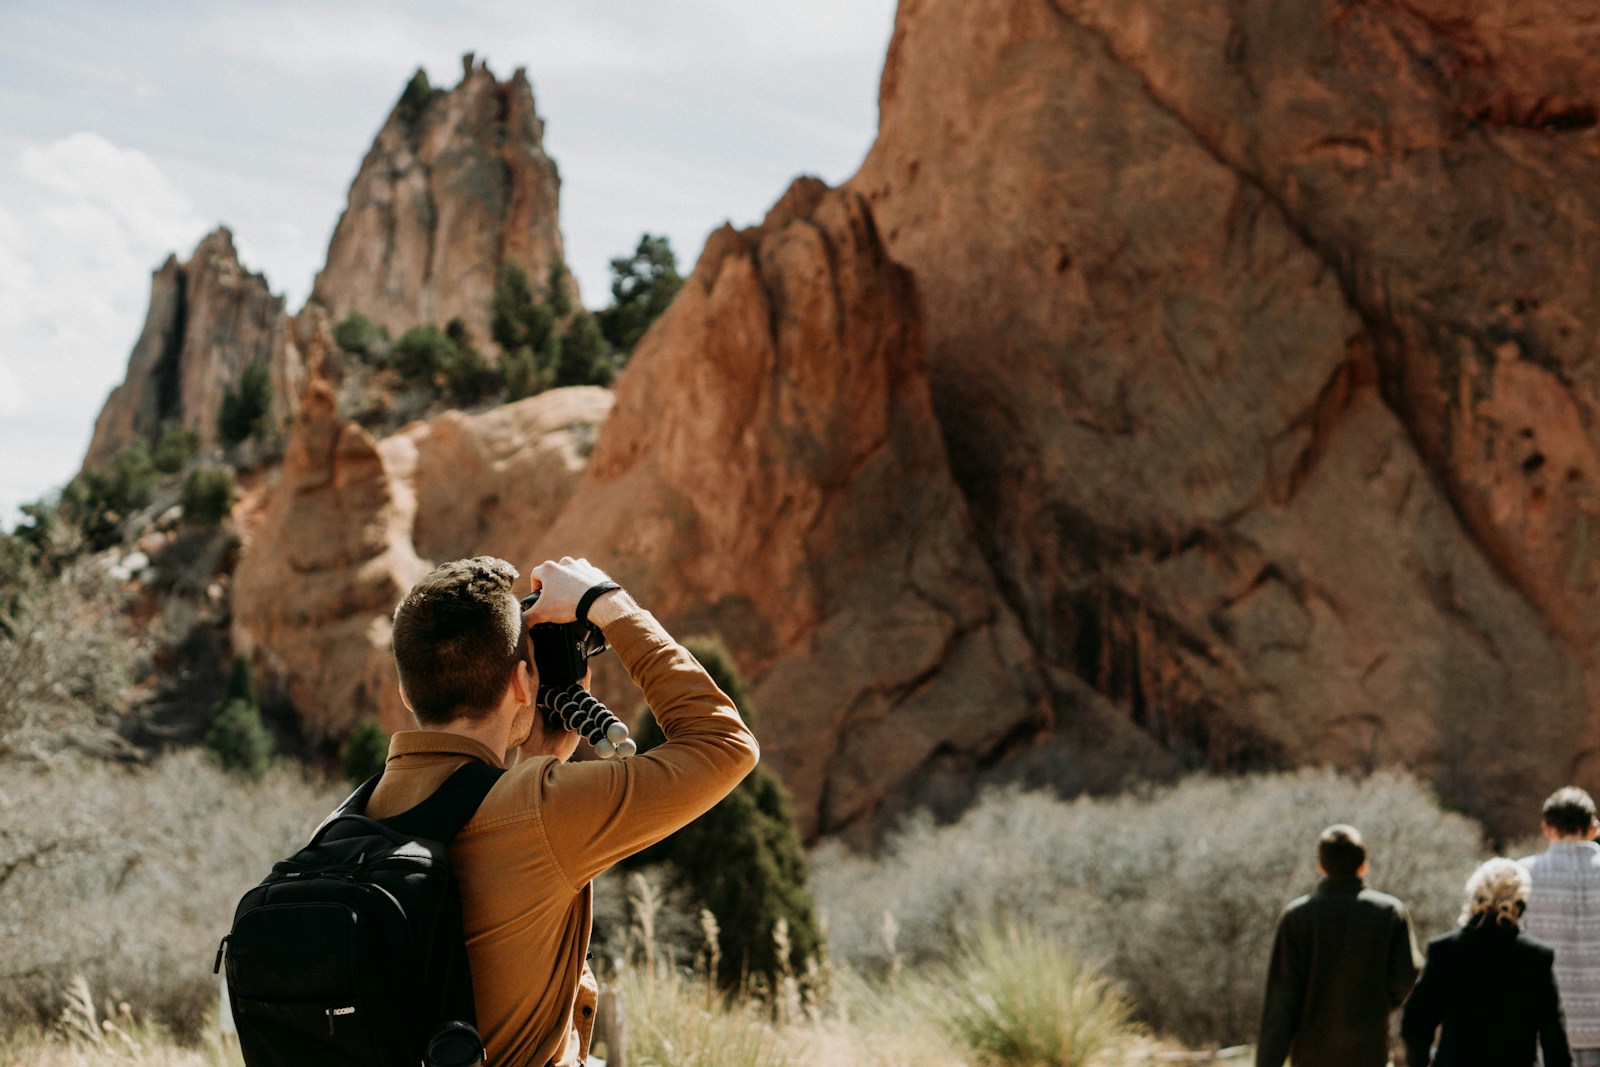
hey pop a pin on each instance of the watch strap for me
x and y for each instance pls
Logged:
(593, 593)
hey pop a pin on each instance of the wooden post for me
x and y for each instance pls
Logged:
(611, 1027)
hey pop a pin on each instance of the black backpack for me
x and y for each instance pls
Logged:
(351, 952)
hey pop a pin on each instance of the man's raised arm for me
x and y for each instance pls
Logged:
(598, 812)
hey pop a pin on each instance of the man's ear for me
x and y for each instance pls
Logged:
(1361, 871)
(522, 685)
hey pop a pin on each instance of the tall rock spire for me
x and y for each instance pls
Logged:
(209, 319)
(456, 184)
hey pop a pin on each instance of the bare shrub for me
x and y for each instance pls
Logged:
(65, 658)
(1175, 891)
(128, 875)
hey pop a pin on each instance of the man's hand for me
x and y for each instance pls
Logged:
(560, 585)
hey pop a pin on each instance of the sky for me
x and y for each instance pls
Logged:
(131, 128)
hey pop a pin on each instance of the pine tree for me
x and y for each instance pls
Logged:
(642, 285)
(743, 859)
(238, 738)
(585, 357)
(365, 751)
(244, 412)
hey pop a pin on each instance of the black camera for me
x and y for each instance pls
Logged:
(561, 653)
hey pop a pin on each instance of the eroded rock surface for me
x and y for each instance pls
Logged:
(209, 319)
(449, 191)
(348, 524)
(774, 471)
(1259, 336)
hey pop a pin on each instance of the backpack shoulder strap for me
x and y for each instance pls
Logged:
(452, 805)
(354, 804)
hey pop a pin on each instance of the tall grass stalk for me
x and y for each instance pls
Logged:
(678, 1020)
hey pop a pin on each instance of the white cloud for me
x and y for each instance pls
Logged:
(82, 224)
(12, 399)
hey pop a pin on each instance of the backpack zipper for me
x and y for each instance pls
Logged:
(215, 967)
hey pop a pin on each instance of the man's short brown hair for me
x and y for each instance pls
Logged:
(1340, 851)
(1569, 811)
(457, 637)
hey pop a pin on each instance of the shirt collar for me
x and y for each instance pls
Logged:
(1573, 846)
(1346, 884)
(420, 747)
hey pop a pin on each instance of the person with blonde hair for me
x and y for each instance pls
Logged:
(1487, 990)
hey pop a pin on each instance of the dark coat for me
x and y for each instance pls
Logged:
(1342, 960)
(1493, 990)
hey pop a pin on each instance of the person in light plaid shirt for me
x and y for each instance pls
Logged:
(1564, 913)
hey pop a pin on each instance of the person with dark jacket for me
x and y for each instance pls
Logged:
(1343, 958)
(1487, 989)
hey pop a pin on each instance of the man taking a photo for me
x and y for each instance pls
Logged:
(548, 827)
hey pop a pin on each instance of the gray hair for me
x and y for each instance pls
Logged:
(1497, 892)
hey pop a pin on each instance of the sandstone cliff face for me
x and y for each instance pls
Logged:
(440, 202)
(773, 470)
(1259, 337)
(336, 538)
(209, 318)
(1180, 383)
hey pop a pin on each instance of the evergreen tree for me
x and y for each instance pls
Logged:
(742, 860)
(238, 738)
(244, 411)
(207, 495)
(98, 500)
(241, 682)
(175, 447)
(468, 376)
(642, 285)
(360, 336)
(556, 294)
(423, 353)
(515, 320)
(585, 358)
(365, 751)
(415, 98)
(522, 373)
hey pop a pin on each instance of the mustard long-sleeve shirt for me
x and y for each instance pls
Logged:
(526, 859)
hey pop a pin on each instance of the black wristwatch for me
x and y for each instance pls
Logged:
(586, 601)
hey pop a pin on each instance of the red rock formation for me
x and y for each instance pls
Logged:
(1246, 417)
(209, 318)
(321, 571)
(333, 544)
(444, 197)
(1260, 345)
(773, 470)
